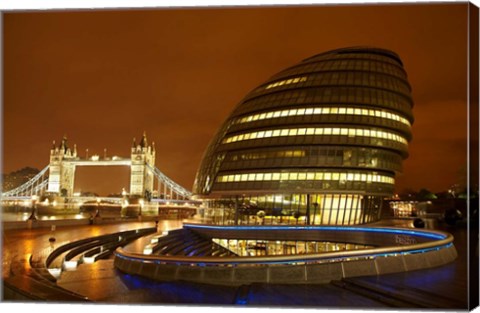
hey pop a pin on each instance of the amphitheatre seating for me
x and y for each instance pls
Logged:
(187, 243)
(70, 255)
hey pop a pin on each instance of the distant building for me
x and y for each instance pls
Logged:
(17, 178)
(318, 143)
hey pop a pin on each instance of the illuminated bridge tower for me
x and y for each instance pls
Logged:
(141, 178)
(62, 174)
(318, 143)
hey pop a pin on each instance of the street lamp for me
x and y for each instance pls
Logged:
(33, 216)
(97, 214)
(142, 203)
(52, 237)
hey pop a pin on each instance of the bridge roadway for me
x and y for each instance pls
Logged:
(445, 286)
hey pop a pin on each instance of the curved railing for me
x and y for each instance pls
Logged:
(439, 240)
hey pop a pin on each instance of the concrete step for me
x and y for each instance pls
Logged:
(372, 294)
(402, 294)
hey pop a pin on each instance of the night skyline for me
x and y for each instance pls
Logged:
(104, 77)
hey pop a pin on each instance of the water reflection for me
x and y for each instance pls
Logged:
(173, 292)
(23, 216)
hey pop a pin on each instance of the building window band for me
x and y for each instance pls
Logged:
(322, 111)
(306, 176)
(317, 131)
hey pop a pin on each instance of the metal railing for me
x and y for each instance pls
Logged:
(443, 240)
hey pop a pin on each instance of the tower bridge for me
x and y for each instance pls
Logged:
(146, 180)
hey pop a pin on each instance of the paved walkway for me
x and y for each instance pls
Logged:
(101, 282)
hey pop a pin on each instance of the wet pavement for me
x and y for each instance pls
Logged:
(102, 283)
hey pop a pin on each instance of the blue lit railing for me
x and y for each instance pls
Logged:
(385, 230)
(438, 240)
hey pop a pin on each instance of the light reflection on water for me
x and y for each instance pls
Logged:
(23, 216)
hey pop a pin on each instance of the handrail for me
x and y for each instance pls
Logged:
(393, 230)
(247, 260)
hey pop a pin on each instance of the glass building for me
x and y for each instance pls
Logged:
(319, 143)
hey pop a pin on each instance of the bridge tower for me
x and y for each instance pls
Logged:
(141, 178)
(61, 174)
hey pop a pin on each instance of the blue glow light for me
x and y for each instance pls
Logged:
(329, 228)
(300, 261)
(179, 291)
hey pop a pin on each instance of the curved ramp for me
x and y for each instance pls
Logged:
(398, 250)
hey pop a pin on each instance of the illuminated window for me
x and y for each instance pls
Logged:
(303, 176)
(324, 110)
(292, 132)
(298, 153)
(287, 82)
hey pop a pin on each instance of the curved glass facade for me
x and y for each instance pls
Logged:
(318, 143)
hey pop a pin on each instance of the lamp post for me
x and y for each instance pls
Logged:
(97, 214)
(142, 203)
(52, 237)
(33, 216)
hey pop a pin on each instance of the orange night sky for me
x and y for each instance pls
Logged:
(104, 77)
